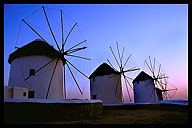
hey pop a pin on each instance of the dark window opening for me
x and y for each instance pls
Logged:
(94, 96)
(31, 94)
(93, 78)
(24, 93)
(31, 72)
(137, 82)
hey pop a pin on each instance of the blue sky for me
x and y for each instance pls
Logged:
(159, 31)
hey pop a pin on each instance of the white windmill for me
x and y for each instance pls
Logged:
(41, 68)
(151, 88)
(122, 71)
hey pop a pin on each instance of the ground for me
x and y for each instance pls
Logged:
(148, 114)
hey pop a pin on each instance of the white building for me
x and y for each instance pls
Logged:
(27, 60)
(144, 89)
(15, 92)
(103, 83)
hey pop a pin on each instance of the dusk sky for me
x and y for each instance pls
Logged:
(154, 30)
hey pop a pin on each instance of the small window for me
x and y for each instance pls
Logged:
(24, 93)
(31, 94)
(137, 82)
(31, 72)
(94, 96)
(93, 78)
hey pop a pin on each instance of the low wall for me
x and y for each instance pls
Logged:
(24, 111)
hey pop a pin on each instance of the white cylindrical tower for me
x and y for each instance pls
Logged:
(27, 70)
(105, 85)
(144, 89)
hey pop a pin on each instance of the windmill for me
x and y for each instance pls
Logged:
(159, 78)
(122, 69)
(62, 53)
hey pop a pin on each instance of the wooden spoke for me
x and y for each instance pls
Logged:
(122, 55)
(152, 92)
(148, 83)
(111, 64)
(114, 57)
(79, 57)
(126, 61)
(34, 30)
(151, 65)
(65, 95)
(159, 70)
(77, 69)
(117, 85)
(51, 29)
(154, 65)
(74, 79)
(75, 50)
(148, 66)
(127, 89)
(76, 45)
(128, 82)
(62, 48)
(119, 55)
(69, 33)
(51, 78)
(40, 68)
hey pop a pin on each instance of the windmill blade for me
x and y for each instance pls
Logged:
(148, 66)
(62, 46)
(119, 55)
(154, 65)
(148, 83)
(34, 30)
(122, 55)
(40, 68)
(151, 65)
(77, 69)
(129, 77)
(51, 78)
(165, 83)
(152, 92)
(162, 77)
(168, 95)
(111, 64)
(69, 34)
(117, 85)
(165, 96)
(74, 79)
(75, 50)
(79, 57)
(126, 61)
(174, 93)
(159, 70)
(127, 90)
(127, 81)
(131, 69)
(172, 89)
(32, 13)
(76, 45)
(160, 84)
(115, 57)
(65, 95)
(50, 28)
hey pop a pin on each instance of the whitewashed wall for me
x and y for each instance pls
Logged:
(16, 92)
(7, 92)
(104, 87)
(145, 94)
(39, 83)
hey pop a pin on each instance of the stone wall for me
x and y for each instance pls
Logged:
(30, 112)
